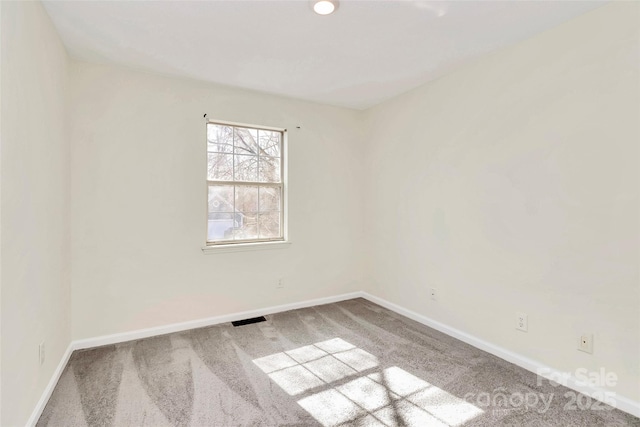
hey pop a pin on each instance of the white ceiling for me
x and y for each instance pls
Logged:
(364, 53)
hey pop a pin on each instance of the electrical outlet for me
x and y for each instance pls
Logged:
(280, 283)
(41, 353)
(434, 294)
(522, 322)
(586, 343)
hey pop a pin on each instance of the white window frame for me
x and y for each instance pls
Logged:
(249, 244)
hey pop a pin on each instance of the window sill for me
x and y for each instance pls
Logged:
(243, 247)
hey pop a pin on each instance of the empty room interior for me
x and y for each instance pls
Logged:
(319, 213)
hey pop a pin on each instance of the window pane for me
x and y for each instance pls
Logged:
(246, 141)
(221, 198)
(220, 218)
(246, 199)
(220, 226)
(246, 168)
(246, 226)
(220, 167)
(269, 169)
(269, 199)
(269, 225)
(220, 138)
(269, 143)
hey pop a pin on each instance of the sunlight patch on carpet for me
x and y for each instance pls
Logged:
(330, 379)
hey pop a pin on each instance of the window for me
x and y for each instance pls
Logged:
(245, 180)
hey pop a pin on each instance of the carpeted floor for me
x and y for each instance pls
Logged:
(350, 363)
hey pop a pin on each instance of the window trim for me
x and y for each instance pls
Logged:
(244, 247)
(252, 244)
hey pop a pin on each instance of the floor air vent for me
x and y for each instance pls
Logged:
(249, 321)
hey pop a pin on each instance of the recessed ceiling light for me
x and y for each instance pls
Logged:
(324, 7)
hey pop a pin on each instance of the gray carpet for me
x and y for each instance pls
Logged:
(351, 363)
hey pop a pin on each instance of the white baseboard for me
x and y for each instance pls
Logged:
(623, 403)
(46, 394)
(201, 323)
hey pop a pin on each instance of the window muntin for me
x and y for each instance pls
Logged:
(245, 179)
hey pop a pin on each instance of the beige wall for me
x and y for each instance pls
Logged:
(512, 185)
(34, 186)
(139, 203)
